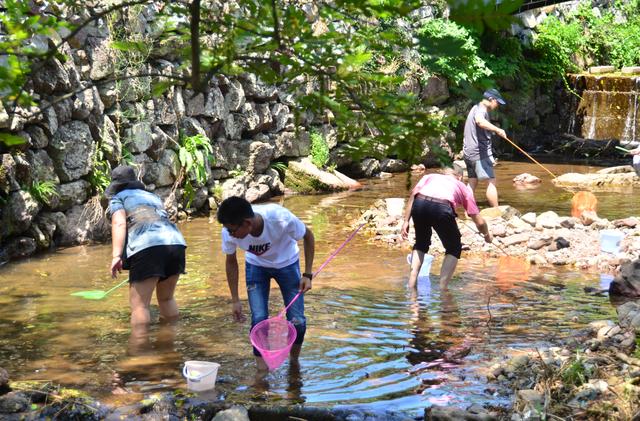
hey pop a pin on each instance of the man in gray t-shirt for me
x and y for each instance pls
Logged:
(477, 143)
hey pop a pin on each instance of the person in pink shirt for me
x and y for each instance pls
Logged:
(431, 205)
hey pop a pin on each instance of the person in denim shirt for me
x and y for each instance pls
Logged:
(269, 235)
(145, 242)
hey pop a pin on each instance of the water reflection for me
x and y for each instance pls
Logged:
(437, 324)
(369, 343)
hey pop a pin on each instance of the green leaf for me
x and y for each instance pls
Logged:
(159, 88)
(9, 139)
(130, 46)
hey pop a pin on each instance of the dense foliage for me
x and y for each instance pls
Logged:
(587, 36)
(462, 62)
(326, 53)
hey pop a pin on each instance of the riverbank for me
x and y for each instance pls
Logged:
(543, 239)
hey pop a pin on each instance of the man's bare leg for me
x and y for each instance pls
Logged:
(492, 193)
(472, 183)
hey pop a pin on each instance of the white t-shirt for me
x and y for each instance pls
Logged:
(277, 246)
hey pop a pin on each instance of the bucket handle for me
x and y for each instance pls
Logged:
(185, 373)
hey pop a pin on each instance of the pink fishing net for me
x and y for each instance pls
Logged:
(274, 338)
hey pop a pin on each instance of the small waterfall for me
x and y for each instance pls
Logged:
(591, 133)
(573, 105)
(608, 108)
(629, 134)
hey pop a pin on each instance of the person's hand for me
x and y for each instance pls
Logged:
(488, 237)
(305, 284)
(236, 311)
(501, 133)
(404, 232)
(116, 266)
(635, 151)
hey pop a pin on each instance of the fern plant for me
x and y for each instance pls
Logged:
(280, 167)
(100, 175)
(195, 154)
(43, 191)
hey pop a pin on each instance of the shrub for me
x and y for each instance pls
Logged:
(451, 50)
(195, 155)
(319, 150)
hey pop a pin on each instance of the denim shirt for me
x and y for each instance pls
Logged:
(149, 232)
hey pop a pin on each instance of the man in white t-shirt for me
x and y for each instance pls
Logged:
(269, 235)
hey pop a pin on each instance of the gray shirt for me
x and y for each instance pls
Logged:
(477, 141)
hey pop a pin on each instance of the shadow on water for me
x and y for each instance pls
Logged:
(369, 343)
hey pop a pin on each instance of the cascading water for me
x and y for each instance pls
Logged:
(629, 134)
(607, 109)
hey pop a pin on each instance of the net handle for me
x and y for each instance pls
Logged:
(326, 262)
(330, 258)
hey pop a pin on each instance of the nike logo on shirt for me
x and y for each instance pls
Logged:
(259, 249)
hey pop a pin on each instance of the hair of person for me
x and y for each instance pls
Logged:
(234, 210)
(455, 170)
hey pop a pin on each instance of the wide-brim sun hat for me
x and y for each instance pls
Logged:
(494, 94)
(123, 177)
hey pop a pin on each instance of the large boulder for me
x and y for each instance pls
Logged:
(627, 283)
(304, 177)
(8, 180)
(586, 181)
(41, 166)
(18, 212)
(71, 149)
(83, 223)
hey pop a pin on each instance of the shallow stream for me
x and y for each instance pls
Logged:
(369, 341)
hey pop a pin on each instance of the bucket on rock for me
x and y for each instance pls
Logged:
(610, 241)
(200, 375)
(425, 269)
(395, 206)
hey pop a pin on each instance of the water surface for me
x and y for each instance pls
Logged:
(369, 342)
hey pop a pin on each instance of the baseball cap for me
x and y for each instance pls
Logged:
(493, 93)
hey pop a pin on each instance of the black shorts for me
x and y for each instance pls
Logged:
(160, 261)
(431, 216)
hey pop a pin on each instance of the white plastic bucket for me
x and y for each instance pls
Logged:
(395, 206)
(610, 241)
(425, 269)
(200, 375)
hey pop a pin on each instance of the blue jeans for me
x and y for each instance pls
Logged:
(258, 286)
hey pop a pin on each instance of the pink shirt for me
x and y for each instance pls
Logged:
(447, 187)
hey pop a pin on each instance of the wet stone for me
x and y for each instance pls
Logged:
(596, 70)
(13, 402)
(630, 70)
(4, 378)
(237, 413)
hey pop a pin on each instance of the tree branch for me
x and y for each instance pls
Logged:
(194, 26)
(276, 24)
(100, 83)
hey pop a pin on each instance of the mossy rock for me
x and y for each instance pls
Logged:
(303, 183)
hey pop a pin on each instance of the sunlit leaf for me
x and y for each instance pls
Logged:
(9, 139)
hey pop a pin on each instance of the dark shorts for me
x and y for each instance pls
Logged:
(431, 216)
(160, 261)
(482, 169)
